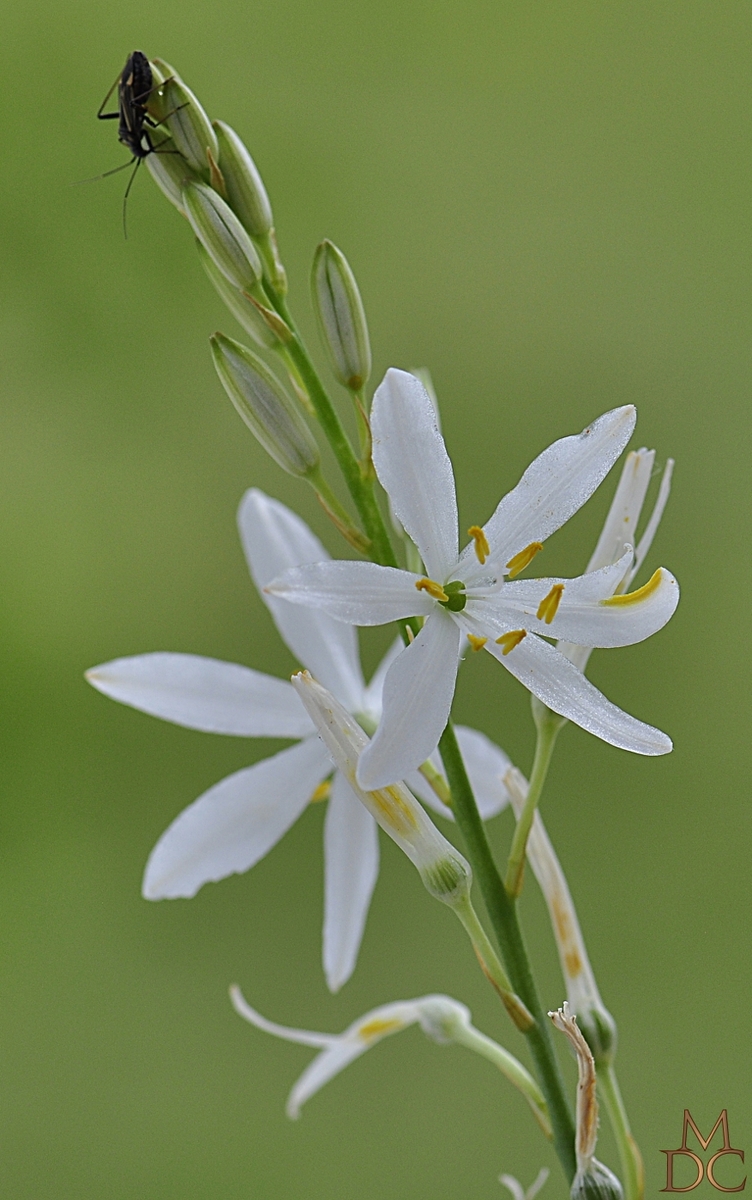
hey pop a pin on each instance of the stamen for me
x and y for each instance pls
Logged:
(322, 792)
(523, 559)
(482, 548)
(549, 604)
(377, 1028)
(433, 589)
(477, 643)
(642, 593)
(508, 641)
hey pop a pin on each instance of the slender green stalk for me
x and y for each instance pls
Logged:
(502, 913)
(490, 965)
(338, 514)
(544, 746)
(473, 1039)
(629, 1152)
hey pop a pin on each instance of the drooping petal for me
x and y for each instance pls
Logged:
(362, 593)
(620, 526)
(414, 468)
(205, 694)
(646, 541)
(418, 692)
(554, 486)
(584, 618)
(351, 867)
(274, 538)
(373, 697)
(235, 823)
(557, 682)
(486, 766)
(303, 1037)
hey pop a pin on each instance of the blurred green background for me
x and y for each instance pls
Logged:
(546, 204)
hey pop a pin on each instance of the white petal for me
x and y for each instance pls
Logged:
(373, 698)
(418, 694)
(414, 468)
(203, 693)
(486, 767)
(274, 538)
(555, 485)
(235, 823)
(304, 1037)
(646, 540)
(351, 863)
(362, 593)
(554, 680)
(585, 619)
(620, 525)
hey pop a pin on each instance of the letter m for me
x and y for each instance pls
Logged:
(705, 1142)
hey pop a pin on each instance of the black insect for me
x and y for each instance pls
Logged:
(134, 86)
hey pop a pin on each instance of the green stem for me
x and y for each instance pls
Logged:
(490, 965)
(512, 1068)
(502, 912)
(547, 731)
(629, 1152)
(337, 514)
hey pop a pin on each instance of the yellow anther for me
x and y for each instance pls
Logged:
(477, 643)
(434, 589)
(549, 604)
(642, 593)
(322, 792)
(523, 559)
(508, 641)
(482, 548)
(376, 1028)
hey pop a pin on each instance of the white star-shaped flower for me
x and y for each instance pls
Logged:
(234, 824)
(469, 595)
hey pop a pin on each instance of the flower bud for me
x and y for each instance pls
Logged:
(265, 407)
(597, 1183)
(241, 308)
(246, 193)
(169, 170)
(342, 320)
(222, 236)
(599, 1031)
(186, 120)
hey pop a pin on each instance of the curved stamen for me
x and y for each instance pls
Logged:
(482, 548)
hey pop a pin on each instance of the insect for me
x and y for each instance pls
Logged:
(134, 86)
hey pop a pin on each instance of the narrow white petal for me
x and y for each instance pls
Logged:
(620, 525)
(555, 485)
(557, 682)
(373, 698)
(351, 866)
(418, 694)
(362, 593)
(414, 468)
(646, 540)
(304, 1037)
(235, 823)
(486, 767)
(274, 538)
(205, 694)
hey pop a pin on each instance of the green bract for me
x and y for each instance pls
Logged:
(265, 407)
(246, 193)
(342, 320)
(222, 236)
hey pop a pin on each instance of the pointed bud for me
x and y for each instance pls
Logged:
(342, 320)
(597, 1183)
(244, 312)
(246, 193)
(169, 170)
(189, 126)
(265, 407)
(222, 236)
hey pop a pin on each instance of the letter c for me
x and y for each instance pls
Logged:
(711, 1176)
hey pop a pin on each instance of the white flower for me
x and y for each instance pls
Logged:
(235, 823)
(465, 595)
(518, 1191)
(441, 1018)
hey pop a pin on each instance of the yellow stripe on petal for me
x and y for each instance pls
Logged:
(523, 559)
(549, 604)
(322, 792)
(642, 593)
(377, 1028)
(434, 589)
(508, 641)
(395, 812)
(477, 643)
(482, 548)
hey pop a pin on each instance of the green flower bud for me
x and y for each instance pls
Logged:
(169, 170)
(265, 407)
(246, 193)
(186, 120)
(448, 878)
(598, 1028)
(596, 1183)
(244, 312)
(222, 236)
(342, 320)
